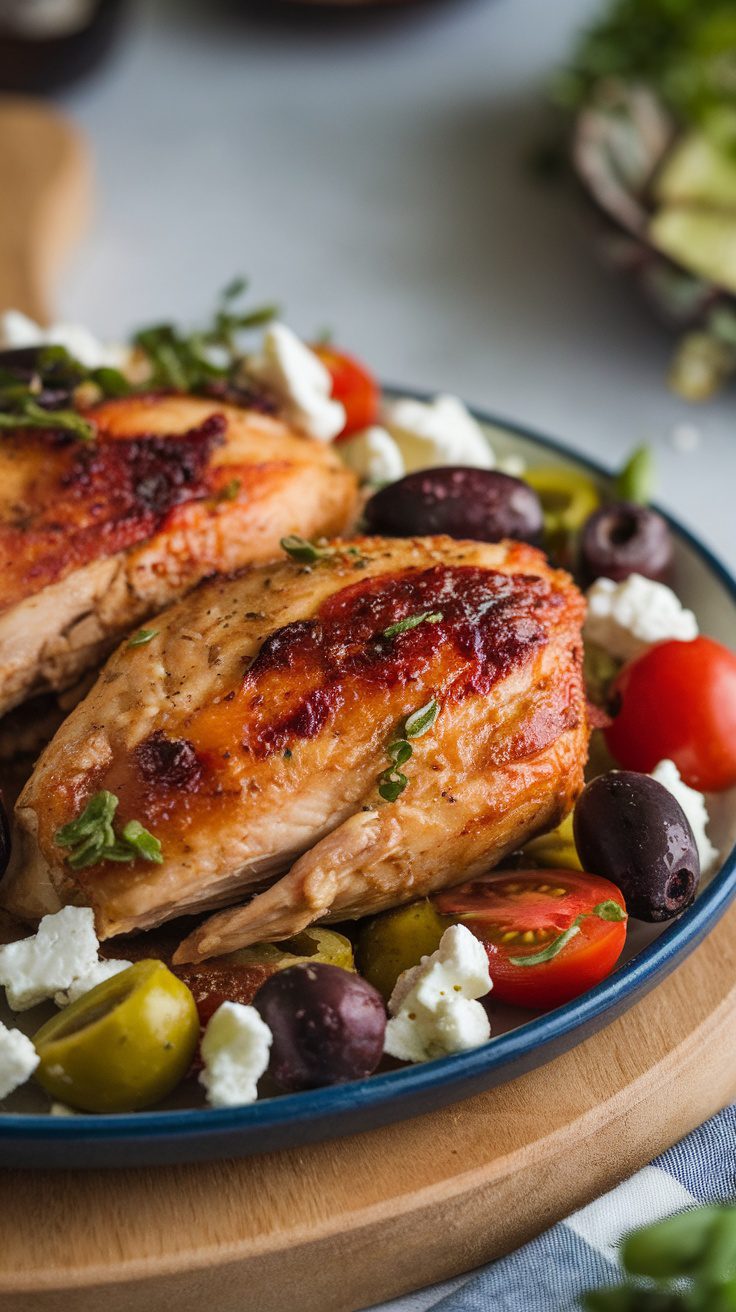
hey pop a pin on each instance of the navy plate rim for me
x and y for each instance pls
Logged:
(332, 1106)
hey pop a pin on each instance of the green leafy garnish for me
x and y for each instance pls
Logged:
(604, 911)
(143, 636)
(231, 489)
(303, 551)
(25, 412)
(191, 362)
(91, 838)
(685, 50)
(635, 481)
(392, 782)
(686, 1263)
(421, 721)
(402, 626)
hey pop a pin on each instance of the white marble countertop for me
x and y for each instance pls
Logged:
(368, 173)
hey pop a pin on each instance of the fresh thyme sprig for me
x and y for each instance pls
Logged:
(609, 910)
(91, 837)
(393, 781)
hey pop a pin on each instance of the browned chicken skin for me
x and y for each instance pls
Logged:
(249, 736)
(95, 537)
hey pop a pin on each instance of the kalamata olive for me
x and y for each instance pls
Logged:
(4, 838)
(624, 539)
(631, 830)
(457, 500)
(327, 1025)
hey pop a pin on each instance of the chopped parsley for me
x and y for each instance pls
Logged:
(91, 838)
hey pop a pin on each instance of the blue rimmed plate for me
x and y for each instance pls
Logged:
(30, 1137)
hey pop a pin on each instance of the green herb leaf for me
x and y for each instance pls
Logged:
(402, 626)
(552, 949)
(391, 784)
(400, 751)
(609, 911)
(635, 482)
(91, 837)
(143, 636)
(307, 553)
(234, 289)
(111, 382)
(27, 413)
(142, 841)
(421, 721)
(231, 489)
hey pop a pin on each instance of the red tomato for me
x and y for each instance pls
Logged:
(354, 386)
(678, 702)
(519, 914)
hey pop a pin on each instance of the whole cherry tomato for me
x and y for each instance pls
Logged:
(677, 702)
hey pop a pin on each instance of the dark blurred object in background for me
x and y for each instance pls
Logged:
(46, 44)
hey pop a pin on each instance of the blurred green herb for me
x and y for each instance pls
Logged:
(686, 1263)
(685, 50)
(635, 480)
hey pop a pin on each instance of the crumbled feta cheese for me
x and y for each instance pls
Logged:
(373, 455)
(438, 432)
(626, 618)
(18, 1060)
(99, 972)
(17, 330)
(433, 1010)
(63, 950)
(693, 804)
(61, 1109)
(235, 1050)
(300, 381)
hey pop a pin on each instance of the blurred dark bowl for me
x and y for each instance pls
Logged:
(42, 64)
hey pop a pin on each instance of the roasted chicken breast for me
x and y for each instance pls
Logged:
(95, 537)
(252, 734)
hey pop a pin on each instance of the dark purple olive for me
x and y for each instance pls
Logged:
(630, 829)
(327, 1025)
(4, 838)
(625, 539)
(457, 500)
(59, 380)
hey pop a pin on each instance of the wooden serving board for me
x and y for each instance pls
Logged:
(338, 1226)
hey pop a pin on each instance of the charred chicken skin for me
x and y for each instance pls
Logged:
(251, 735)
(96, 536)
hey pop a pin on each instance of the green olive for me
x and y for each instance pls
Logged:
(396, 940)
(122, 1046)
(555, 850)
(315, 944)
(568, 498)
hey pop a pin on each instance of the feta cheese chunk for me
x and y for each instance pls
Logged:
(300, 381)
(63, 950)
(18, 1060)
(235, 1051)
(373, 455)
(438, 432)
(626, 618)
(101, 971)
(17, 330)
(693, 804)
(433, 1010)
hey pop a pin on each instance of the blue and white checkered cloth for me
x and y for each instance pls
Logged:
(550, 1273)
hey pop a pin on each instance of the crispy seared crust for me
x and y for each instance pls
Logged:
(94, 539)
(250, 733)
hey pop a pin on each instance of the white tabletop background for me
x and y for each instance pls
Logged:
(368, 173)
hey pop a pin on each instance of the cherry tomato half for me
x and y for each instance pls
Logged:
(520, 914)
(678, 702)
(352, 385)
